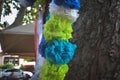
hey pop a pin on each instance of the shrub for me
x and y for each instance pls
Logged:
(7, 65)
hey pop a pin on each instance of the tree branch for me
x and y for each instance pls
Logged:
(1, 7)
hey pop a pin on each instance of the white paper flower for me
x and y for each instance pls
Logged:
(72, 14)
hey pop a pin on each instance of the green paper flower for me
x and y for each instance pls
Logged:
(52, 71)
(58, 27)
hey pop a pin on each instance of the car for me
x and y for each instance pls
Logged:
(18, 73)
(0, 73)
(28, 72)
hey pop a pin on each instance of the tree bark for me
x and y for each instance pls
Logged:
(97, 35)
(46, 10)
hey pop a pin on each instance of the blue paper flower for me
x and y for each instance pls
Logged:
(59, 52)
(42, 46)
(73, 4)
(47, 17)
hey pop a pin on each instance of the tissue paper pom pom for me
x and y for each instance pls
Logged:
(52, 71)
(42, 46)
(57, 27)
(27, 3)
(73, 4)
(47, 17)
(59, 52)
(60, 10)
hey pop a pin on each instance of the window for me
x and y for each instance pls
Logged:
(14, 60)
(6, 60)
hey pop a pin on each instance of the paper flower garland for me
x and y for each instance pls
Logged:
(56, 47)
(57, 32)
(57, 27)
(52, 71)
(59, 52)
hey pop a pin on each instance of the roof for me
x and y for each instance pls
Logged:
(22, 29)
(19, 39)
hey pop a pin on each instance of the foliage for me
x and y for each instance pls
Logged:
(30, 13)
(29, 60)
(40, 2)
(7, 65)
(7, 6)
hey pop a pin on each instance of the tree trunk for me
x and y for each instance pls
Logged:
(97, 35)
(1, 7)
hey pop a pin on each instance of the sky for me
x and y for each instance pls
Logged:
(10, 18)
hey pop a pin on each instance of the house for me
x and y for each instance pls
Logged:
(17, 43)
